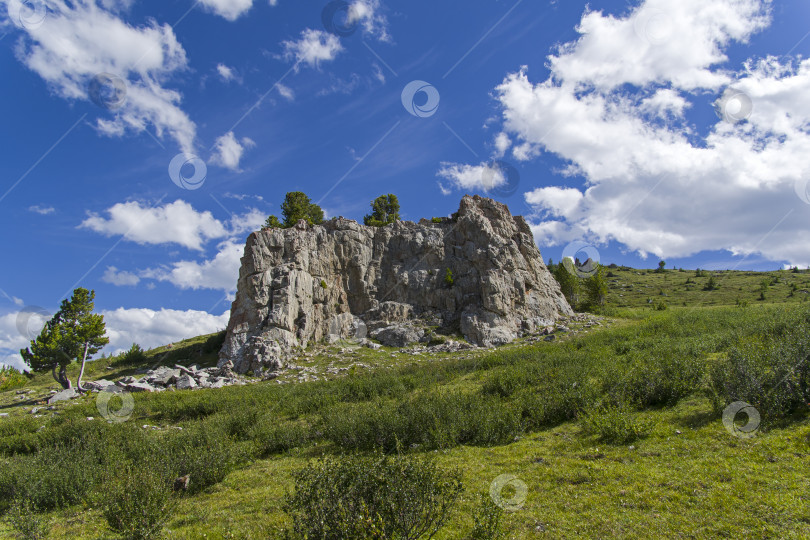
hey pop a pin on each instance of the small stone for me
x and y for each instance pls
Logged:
(63, 396)
(677, 432)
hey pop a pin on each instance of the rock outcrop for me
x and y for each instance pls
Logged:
(344, 281)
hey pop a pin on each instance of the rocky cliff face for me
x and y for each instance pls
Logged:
(344, 280)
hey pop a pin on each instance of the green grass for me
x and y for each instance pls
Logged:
(615, 429)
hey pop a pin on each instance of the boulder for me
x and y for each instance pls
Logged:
(140, 387)
(64, 395)
(398, 335)
(185, 382)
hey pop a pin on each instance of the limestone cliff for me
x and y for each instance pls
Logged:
(344, 279)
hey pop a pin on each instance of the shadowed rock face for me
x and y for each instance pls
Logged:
(343, 279)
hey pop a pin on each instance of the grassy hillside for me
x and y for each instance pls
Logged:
(615, 429)
(630, 287)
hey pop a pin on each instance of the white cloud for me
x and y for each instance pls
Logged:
(285, 91)
(655, 182)
(113, 276)
(659, 41)
(471, 177)
(229, 150)
(228, 9)
(225, 73)
(220, 273)
(250, 221)
(314, 47)
(555, 201)
(150, 328)
(42, 210)
(665, 101)
(175, 222)
(502, 144)
(367, 14)
(82, 39)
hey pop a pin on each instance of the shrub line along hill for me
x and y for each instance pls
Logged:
(614, 430)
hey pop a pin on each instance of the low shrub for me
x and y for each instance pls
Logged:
(614, 424)
(770, 371)
(138, 504)
(487, 520)
(11, 378)
(430, 420)
(378, 496)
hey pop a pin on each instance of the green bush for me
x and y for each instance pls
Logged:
(204, 452)
(614, 424)
(135, 355)
(11, 378)
(436, 220)
(768, 369)
(377, 496)
(431, 420)
(487, 520)
(138, 504)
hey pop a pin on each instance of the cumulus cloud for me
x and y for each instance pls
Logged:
(313, 47)
(172, 223)
(83, 39)
(228, 9)
(219, 273)
(113, 276)
(151, 328)
(146, 327)
(179, 223)
(229, 151)
(613, 110)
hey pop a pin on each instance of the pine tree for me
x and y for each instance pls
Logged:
(74, 334)
(297, 206)
(384, 210)
(596, 287)
(568, 280)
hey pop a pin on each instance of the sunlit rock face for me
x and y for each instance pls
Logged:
(344, 279)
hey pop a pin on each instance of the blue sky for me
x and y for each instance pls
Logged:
(650, 129)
